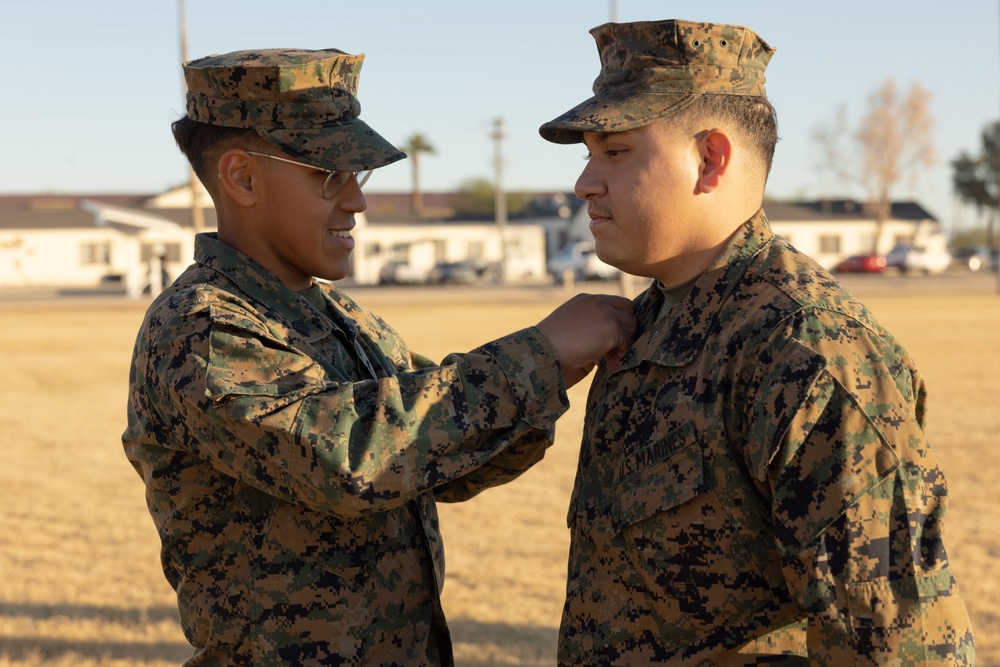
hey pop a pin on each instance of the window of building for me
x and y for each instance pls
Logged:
(95, 253)
(829, 244)
(400, 252)
(476, 249)
(169, 252)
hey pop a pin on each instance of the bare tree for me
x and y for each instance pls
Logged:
(892, 140)
(413, 147)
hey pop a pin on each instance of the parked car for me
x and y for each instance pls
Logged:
(399, 273)
(973, 258)
(464, 272)
(933, 258)
(872, 263)
(581, 261)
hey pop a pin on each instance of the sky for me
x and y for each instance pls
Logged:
(92, 87)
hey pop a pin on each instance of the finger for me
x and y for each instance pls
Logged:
(627, 324)
(571, 376)
(621, 303)
(612, 359)
(618, 303)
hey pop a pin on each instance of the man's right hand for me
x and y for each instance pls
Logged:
(588, 328)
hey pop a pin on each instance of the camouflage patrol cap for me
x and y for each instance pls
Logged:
(651, 70)
(303, 102)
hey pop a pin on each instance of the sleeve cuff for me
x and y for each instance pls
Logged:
(529, 363)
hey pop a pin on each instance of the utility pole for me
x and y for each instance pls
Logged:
(626, 282)
(197, 215)
(499, 196)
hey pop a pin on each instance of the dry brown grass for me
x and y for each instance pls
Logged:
(81, 583)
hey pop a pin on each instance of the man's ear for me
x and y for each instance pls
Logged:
(716, 151)
(237, 176)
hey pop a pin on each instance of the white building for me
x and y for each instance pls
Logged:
(143, 243)
(75, 242)
(831, 230)
(422, 246)
(828, 230)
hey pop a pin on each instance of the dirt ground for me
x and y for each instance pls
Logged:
(81, 583)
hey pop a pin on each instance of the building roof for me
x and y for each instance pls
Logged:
(45, 219)
(28, 217)
(64, 202)
(446, 206)
(66, 212)
(838, 209)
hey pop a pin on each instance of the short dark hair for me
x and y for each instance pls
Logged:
(752, 116)
(202, 144)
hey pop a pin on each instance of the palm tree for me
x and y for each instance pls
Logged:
(413, 147)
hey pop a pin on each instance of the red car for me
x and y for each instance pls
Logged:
(862, 264)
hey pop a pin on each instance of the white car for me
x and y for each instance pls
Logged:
(926, 259)
(580, 260)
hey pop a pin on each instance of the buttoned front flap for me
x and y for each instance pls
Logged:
(658, 477)
(685, 551)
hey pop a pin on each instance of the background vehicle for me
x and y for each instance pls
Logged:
(973, 258)
(464, 272)
(398, 273)
(453, 272)
(930, 258)
(862, 264)
(582, 262)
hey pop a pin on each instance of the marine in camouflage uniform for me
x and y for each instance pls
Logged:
(292, 447)
(293, 451)
(754, 485)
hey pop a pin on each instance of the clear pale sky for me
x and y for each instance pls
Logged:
(91, 87)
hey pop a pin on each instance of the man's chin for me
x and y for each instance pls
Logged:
(335, 273)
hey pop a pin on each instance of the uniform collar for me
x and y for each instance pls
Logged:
(673, 336)
(261, 286)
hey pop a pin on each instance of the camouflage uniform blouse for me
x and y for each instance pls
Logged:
(755, 481)
(292, 459)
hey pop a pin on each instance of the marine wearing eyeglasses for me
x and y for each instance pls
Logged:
(335, 180)
(293, 448)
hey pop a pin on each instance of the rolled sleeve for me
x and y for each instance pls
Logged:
(528, 361)
(264, 412)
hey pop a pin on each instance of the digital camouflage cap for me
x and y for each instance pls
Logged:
(303, 102)
(651, 70)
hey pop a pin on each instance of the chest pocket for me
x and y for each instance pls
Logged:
(685, 551)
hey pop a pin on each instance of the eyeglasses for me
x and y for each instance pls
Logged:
(335, 180)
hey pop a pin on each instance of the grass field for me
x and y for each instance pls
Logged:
(80, 581)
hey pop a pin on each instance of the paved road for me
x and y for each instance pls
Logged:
(861, 285)
(950, 282)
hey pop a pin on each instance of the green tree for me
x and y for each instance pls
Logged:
(416, 145)
(475, 197)
(892, 140)
(976, 179)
